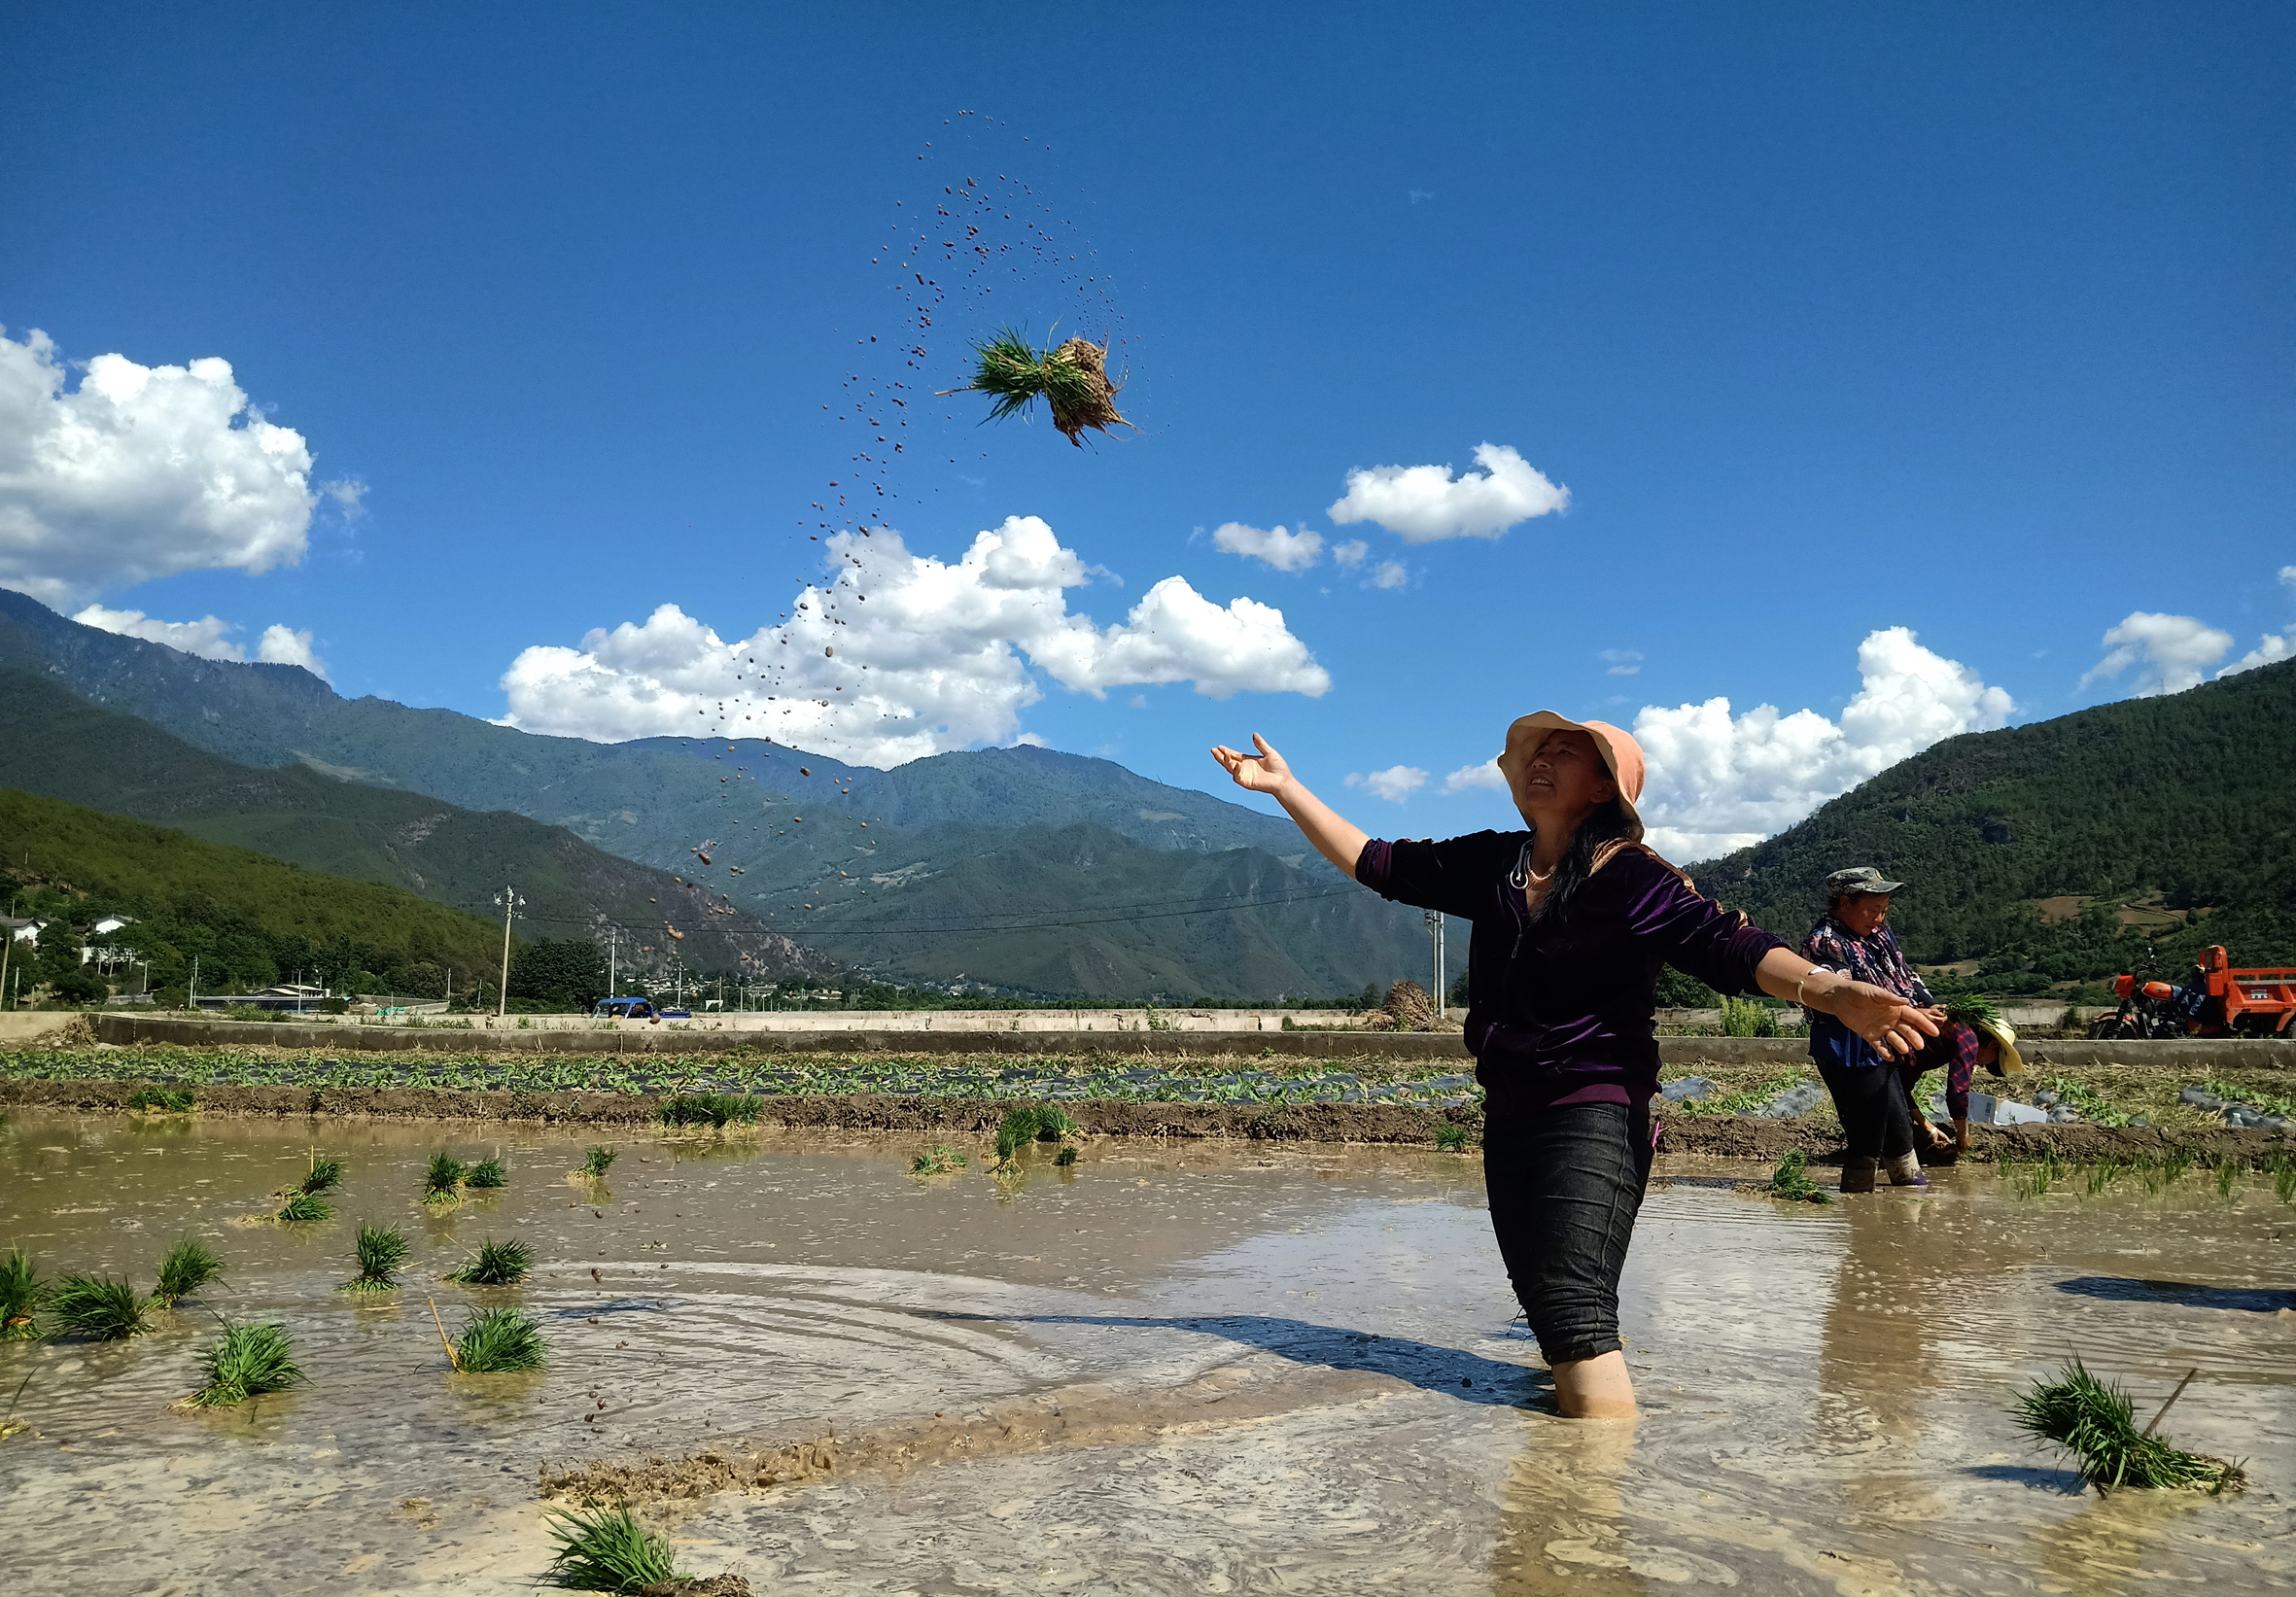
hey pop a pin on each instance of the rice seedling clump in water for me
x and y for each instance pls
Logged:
(245, 1362)
(497, 1264)
(176, 1101)
(597, 1162)
(1028, 1123)
(2095, 1422)
(938, 1160)
(1452, 1139)
(1790, 1181)
(325, 1175)
(606, 1550)
(188, 1266)
(305, 1207)
(443, 1181)
(487, 1172)
(500, 1342)
(100, 1309)
(20, 1293)
(717, 1109)
(380, 1253)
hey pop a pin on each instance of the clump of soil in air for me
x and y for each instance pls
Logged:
(188, 1266)
(1409, 1008)
(2096, 1423)
(1071, 379)
(246, 1361)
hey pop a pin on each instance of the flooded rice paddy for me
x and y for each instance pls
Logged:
(1205, 1368)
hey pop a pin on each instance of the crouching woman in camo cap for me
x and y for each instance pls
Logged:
(1574, 917)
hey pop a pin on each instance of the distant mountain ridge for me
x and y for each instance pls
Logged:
(987, 825)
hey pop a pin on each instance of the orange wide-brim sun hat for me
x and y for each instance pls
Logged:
(1621, 756)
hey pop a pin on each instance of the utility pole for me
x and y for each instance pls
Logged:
(511, 904)
(614, 948)
(191, 996)
(1435, 927)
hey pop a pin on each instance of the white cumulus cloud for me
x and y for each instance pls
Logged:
(139, 472)
(1284, 550)
(1391, 573)
(902, 655)
(1350, 553)
(1426, 504)
(1486, 775)
(1719, 782)
(2173, 651)
(1395, 784)
(208, 637)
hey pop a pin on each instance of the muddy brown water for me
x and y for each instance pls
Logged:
(1202, 1367)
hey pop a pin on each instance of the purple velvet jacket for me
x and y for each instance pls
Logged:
(1561, 1013)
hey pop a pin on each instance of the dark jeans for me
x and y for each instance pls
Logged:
(1565, 1186)
(1876, 1117)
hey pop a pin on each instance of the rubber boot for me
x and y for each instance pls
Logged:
(1858, 1175)
(1905, 1170)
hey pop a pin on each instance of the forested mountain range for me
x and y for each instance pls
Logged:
(975, 865)
(2043, 852)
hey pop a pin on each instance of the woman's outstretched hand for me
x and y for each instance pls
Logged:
(1260, 773)
(1892, 1025)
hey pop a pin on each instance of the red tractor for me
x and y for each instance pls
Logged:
(2218, 1001)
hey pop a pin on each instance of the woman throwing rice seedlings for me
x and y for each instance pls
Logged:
(1573, 920)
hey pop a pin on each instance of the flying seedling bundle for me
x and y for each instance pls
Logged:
(1070, 378)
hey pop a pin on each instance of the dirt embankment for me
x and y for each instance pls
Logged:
(1723, 1136)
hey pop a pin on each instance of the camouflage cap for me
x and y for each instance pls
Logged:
(1858, 881)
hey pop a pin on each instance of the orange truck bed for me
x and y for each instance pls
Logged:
(2256, 1002)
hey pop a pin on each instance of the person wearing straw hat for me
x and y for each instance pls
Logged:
(1573, 920)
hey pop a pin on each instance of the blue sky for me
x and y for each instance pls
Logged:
(1972, 321)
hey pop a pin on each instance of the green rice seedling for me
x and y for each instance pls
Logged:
(174, 1101)
(2094, 1106)
(99, 1308)
(1453, 1138)
(1792, 1182)
(938, 1160)
(497, 1264)
(605, 1549)
(500, 1342)
(325, 1175)
(486, 1173)
(443, 1181)
(2096, 1423)
(380, 1253)
(1070, 378)
(305, 1207)
(245, 1362)
(2228, 1176)
(715, 1109)
(2104, 1173)
(1027, 1123)
(2282, 1170)
(20, 1294)
(2175, 1164)
(597, 1162)
(2036, 1176)
(1066, 1157)
(188, 1266)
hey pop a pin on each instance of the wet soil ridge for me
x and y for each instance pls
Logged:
(1072, 1417)
(1729, 1136)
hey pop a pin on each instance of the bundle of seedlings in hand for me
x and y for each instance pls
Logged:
(938, 1160)
(2097, 1424)
(442, 1182)
(380, 1253)
(605, 1549)
(716, 1109)
(497, 1264)
(246, 1361)
(1071, 379)
(305, 1206)
(1790, 1181)
(188, 1266)
(500, 1342)
(20, 1293)
(486, 1173)
(325, 1175)
(101, 1310)
(1028, 1123)
(596, 1162)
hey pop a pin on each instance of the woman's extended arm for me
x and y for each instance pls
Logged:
(1336, 838)
(1891, 1023)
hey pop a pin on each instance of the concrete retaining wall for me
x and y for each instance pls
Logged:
(2198, 1055)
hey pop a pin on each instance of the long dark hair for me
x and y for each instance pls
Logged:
(1598, 826)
